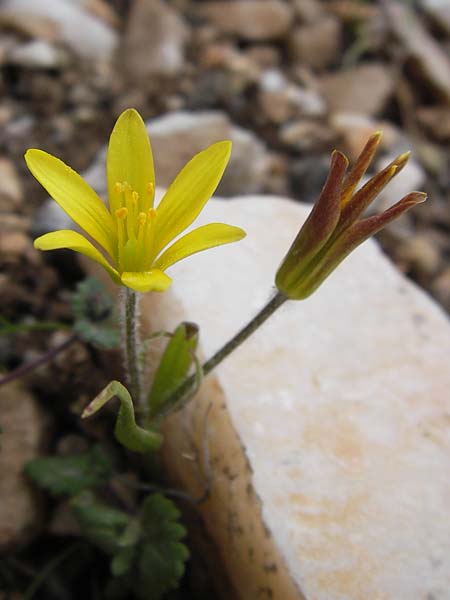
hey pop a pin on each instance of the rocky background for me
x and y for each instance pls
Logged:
(287, 81)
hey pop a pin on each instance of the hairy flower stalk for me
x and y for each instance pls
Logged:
(132, 342)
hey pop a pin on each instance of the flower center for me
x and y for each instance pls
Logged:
(134, 229)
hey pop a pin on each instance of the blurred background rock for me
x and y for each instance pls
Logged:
(287, 81)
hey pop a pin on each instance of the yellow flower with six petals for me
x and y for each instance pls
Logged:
(132, 234)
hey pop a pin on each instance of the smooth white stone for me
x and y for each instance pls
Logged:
(341, 407)
(85, 34)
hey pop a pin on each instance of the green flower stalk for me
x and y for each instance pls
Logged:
(334, 228)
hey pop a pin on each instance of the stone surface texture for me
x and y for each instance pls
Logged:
(154, 42)
(364, 89)
(255, 20)
(23, 429)
(86, 35)
(328, 430)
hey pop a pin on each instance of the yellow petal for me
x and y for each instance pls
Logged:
(74, 196)
(189, 192)
(207, 236)
(147, 281)
(130, 159)
(66, 238)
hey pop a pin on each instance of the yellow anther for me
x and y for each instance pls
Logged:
(135, 197)
(118, 188)
(152, 214)
(150, 188)
(142, 217)
(122, 213)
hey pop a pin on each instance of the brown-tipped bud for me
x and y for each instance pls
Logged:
(332, 230)
(317, 228)
(400, 161)
(371, 225)
(364, 197)
(360, 167)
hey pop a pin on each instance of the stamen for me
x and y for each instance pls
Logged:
(118, 188)
(121, 214)
(130, 204)
(150, 193)
(142, 219)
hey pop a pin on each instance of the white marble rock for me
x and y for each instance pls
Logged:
(329, 432)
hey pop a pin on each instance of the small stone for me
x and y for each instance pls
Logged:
(154, 41)
(103, 10)
(363, 89)
(266, 57)
(178, 136)
(11, 192)
(23, 432)
(37, 54)
(437, 121)
(282, 100)
(306, 134)
(14, 244)
(420, 255)
(85, 34)
(431, 60)
(439, 11)
(316, 45)
(308, 11)
(253, 20)
(355, 129)
(248, 166)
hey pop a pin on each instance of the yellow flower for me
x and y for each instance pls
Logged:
(132, 234)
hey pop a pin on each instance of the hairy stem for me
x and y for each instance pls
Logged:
(132, 343)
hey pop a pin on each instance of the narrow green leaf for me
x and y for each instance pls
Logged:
(124, 558)
(174, 366)
(127, 432)
(71, 474)
(100, 523)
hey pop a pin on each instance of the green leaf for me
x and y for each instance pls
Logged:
(162, 556)
(124, 557)
(123, 561)
(93, 310)
(100, 336)
(100, 523)
(174, 366)
(127, 432)
(71, 474)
